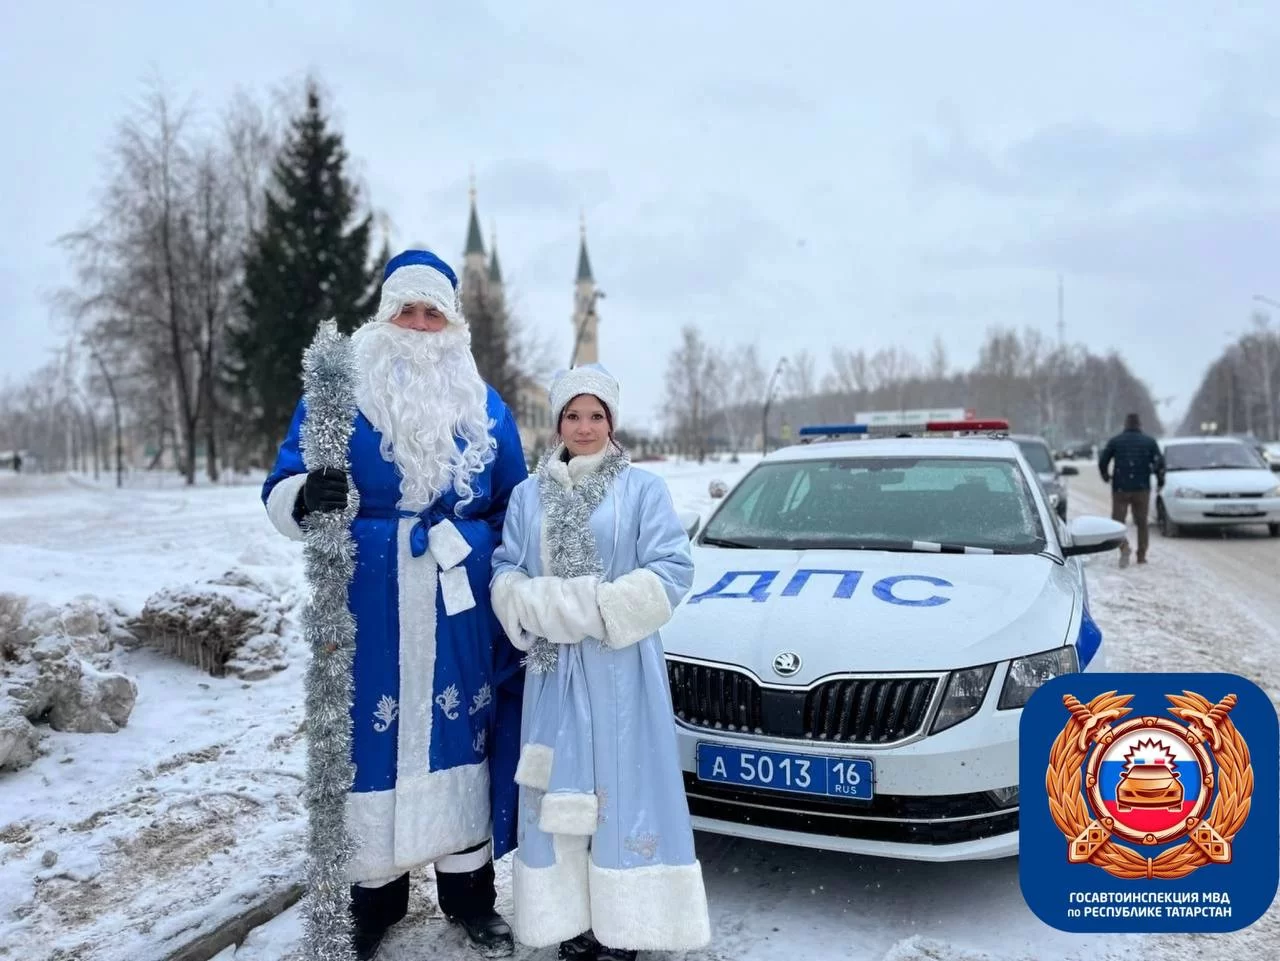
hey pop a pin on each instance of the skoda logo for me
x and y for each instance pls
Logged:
(786, 663)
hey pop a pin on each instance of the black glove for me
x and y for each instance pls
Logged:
(325, 490)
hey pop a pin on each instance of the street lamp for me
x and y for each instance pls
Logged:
(768, 402)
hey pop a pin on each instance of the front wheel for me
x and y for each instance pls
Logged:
(1167, 527)
(1274, 529)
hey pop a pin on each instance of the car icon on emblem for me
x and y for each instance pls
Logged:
(786, 663)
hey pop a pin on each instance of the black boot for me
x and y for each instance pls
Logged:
(373, 911)
(616, 954)
(581, 948)
(467, 900)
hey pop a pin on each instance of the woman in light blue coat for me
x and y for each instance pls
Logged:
(593, 561)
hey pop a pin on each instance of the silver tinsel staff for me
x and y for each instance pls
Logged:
(328, 379)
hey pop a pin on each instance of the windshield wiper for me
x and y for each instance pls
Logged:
(725, 542)
(912, 547)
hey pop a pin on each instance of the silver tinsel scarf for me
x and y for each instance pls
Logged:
(328, 378)
(566, 524)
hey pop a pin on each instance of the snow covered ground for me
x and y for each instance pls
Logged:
(124, 846)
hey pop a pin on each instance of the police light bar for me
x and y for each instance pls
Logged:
(951, 427)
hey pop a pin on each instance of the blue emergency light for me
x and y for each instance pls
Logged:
(954, 428)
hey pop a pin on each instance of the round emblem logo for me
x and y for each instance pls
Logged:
(1152, 780)
(786, 663)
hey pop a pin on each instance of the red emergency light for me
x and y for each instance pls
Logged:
(967, 425)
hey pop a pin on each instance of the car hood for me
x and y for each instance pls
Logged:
(1220, 481)
(869, 611)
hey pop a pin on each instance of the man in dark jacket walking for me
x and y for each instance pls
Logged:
(1127, 463)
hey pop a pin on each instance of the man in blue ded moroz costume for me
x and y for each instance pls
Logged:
(434, 456)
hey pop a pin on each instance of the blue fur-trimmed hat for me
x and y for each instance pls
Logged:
(420, 276)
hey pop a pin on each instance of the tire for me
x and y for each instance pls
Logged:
(1274, 530)
(1062, 510)
(1167, 527)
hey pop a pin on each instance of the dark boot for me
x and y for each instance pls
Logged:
(373, 911)
(581, 948)
(467, 900)
(616, 954)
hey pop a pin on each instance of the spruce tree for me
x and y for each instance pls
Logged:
(309, 262)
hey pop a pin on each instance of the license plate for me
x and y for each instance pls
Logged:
(843, 777)
(1236, 510)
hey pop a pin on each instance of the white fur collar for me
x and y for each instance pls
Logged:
(568, 475)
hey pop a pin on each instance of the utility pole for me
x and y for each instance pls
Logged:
(768, 402)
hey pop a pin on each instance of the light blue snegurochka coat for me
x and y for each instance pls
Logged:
(604, 837)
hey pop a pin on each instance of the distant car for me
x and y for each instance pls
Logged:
(1215, 481)
(1076, 450)
(867, 619)
(1037, 454)
(1271, 454)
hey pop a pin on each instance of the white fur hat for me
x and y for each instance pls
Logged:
(419, 276)
(590, 379)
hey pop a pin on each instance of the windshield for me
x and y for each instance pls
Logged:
(1211, 457)
(1037, 455)
(883, 503)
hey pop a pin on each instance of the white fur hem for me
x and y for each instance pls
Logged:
(534, 769)
(567, 812)
(633, 607)
(503, 595)
(280, 504)
(440, 813)
(551, 904)
(464, 863)
(419, 821)
(658, 908)
(447, 544)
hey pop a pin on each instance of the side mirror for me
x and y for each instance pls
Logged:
(1069, 470)
(717, 489)
(1093, 535)
(1275, 466)
(690, 521)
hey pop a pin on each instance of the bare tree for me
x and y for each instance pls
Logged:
(850, 372)
(690, 371)
(800, 378)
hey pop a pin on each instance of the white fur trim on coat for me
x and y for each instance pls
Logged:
(281, 502)
(534, 769)
(632, 607)
(658, 908)
(569, 812)
(552, 904)
(503, 596)
(455, 591)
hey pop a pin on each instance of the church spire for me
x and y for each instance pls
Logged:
(475, 242)
(584, 262)
(495, 269)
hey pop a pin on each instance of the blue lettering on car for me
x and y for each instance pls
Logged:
(883, 589)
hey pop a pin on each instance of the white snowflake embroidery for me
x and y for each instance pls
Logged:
(482, 699)
(448, 701)
(386, 712)
(477, 744)
(645, 845)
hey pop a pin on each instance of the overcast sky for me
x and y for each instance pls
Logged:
(798, 175)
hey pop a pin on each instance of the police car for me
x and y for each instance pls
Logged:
(867, 618)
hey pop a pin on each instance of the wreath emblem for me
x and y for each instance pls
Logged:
(1134, 787)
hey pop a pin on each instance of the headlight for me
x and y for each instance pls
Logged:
(1274, 492)
(1187, 492)
(1026, 674)
(965, 692)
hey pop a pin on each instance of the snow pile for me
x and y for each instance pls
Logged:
(230, 625)
(56, 667)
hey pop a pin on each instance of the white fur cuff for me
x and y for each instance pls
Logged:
(658, 908)
(447, 545)
(534, 769)
(633, 607)
(568, 813)
(503, 594)
(551, 903)
(280, 504)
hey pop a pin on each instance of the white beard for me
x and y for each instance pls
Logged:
(422, 390)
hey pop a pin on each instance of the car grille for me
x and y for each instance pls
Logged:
(865, 710)
(947, 819)
(1214, 497)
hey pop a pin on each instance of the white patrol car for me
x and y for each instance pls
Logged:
(867, 618)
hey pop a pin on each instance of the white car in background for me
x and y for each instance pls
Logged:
(1216, 481)
(867, 619)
